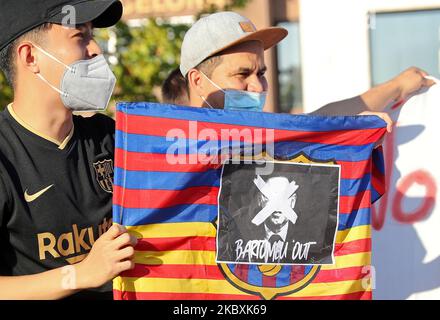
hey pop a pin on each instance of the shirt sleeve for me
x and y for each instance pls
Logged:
(347, 107)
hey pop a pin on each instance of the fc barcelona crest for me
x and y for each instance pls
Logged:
(273, 235)
(104, 174)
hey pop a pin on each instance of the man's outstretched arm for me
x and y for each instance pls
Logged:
(379, 97)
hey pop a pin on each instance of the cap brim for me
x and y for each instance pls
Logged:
(269, 37)
(102, 13)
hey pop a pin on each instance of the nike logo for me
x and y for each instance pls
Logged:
(29, 198)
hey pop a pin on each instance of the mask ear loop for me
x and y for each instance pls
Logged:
(212, 82)
(50, 85)
(206, 101)
(56, 60)
(215, 85)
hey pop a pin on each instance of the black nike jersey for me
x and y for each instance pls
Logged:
(55, 200)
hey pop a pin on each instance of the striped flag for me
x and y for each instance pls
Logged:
(170, 176)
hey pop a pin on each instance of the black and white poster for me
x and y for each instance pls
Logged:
(287, 217)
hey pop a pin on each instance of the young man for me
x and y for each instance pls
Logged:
(56, 169)
(222, 60)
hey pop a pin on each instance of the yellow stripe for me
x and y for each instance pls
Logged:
(67, 139)
(224, 287)
(206, 229)
(61, 145)
(356, 233)
(171, 230)
(350, 260)
(185, 257)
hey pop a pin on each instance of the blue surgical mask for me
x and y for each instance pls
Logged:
(240, 100)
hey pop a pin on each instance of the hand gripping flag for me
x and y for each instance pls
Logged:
(203, 221)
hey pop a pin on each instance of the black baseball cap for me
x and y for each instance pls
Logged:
(20, 16)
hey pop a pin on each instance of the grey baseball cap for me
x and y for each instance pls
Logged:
(220, 31)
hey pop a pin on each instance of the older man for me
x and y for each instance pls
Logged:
(222, 60)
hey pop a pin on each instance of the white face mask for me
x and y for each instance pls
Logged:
(87, 85)
(240, 100)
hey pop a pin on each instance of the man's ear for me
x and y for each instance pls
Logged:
(195, 82)
(27, 57)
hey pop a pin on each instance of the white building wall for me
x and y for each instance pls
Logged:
(335, 46)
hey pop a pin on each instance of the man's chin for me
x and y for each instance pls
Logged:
(276, 225)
